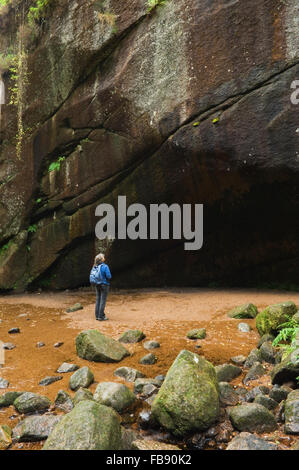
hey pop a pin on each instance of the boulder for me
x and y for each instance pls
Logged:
(151, 344)
(267, 402)
(8, 398)
(35, 428)
(279, 393)
(129, 374)
(268, 352)
(197, 334)
(31, 402)
(247, 441)
(255, 372)
(94, 346)
(49, 380)
(291, 412)
(228, 396)
(149, 359)
(5, 437)
(66, 367)
(89, 426)
(252, 417)
(81, 378)
(63, 401)
(132, 336)
(287, 370)
(227, 372)
(188, 399)
(243, 311)
(81, 395)
(118, 396)
(269, 320)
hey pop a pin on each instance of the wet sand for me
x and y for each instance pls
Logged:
(164, 315)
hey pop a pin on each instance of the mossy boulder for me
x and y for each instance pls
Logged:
(287, 369)
(291, 412)
(252, 417)
(30, 402)
(94, 346)
(81, 378)
(89, 426)
(269, 320)
(118, 396)
(197, 334)
(132, 336)
(8, 398)
(189, 397)
(243, 311)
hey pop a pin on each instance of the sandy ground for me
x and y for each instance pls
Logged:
(163, 315)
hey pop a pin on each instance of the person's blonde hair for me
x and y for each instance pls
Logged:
(99, 259)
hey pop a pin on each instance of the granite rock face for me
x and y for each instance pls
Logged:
(179, 113)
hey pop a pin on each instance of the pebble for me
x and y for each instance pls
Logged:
(9, 346)
(57, 345)
(40, 344)
(244, 327)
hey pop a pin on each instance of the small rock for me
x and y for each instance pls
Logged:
(40, 344)
(30, 402)
(151, 345)
(63, 401)
(287, 370)
(243, 311)
(264, 338)
(279, 393)
(94, 346)
(153, 445)
(259, 390)
(66, 367)
(197, 334)
(3, 383)
(228, 396)
(14, 331)
(35, 428)
(197, 442)
(252, 417)
(247, 441)
(140, 383)
(74, 308)
(149, 359)
(132, 336)
(129, 374)
(227, 372)
(115, 395)
(254, 356)
(150, 399)
(238, 360)
(81, 378)
(256, 371)
(148, 390)
(144, 419)
(267, 402)
(280, 417)
(268, 353)
(49, 380)
(5, 437)
(82, 394)
(58, 345)
(9, 346)
(160, 379)
(244, 327)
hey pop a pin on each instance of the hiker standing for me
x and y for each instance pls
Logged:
(99, 277)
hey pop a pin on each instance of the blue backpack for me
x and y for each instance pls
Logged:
(95, 277)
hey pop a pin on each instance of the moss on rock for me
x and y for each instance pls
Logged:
(269, 320)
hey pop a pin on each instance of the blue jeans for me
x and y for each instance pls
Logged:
(101, 292)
